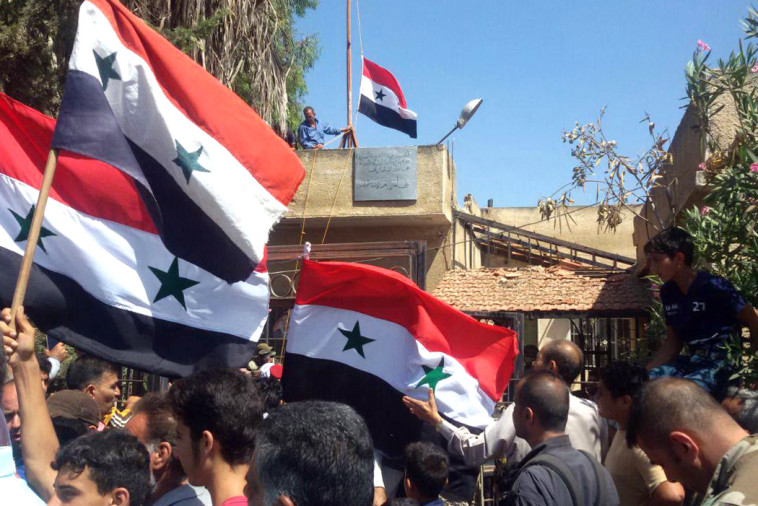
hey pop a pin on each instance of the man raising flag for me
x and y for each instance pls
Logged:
(383, 101)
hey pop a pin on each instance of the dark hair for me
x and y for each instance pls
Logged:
(317, 453)
(159, 418)
(44, 364)
(671, 241)
(426, 466)
(623, 378)
(548, 397)
(568, 358)
(87, 370)
(223, 402)
(113, 459)
(270, 390)
(68, 429)
(666, 404)
(306, 109)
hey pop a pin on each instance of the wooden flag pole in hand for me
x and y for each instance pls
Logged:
(31, 242)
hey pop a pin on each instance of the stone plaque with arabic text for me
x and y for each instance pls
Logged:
(385, 174)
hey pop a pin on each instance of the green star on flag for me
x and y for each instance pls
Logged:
(172, 284)
(433, 376)
(355, 341)
(188, 161)
(380, 95)
(105, 68)
(26, 224)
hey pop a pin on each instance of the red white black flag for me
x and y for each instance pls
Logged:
(382, 99)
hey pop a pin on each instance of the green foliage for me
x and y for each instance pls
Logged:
(725, 229)
(36, 38)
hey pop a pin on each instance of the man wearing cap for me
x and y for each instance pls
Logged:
(265, 359)
(74, 413)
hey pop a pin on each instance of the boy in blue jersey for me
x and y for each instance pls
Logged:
(702, 311)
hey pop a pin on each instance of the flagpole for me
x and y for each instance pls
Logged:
(33, 237)
(348, 138)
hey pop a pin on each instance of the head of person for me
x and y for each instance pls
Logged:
(11, 410)
(670, 251)
(74, 413)
(564, 358)
(264, 354)
(102, 468)
(97, 378)
(426, 469)
(270, 390)
(618, 384)
(153, 423)
(309, 114)
(742, 404)
(312, 453)
(44, 370)
(682, 428)
(217, 414)
(541, 406)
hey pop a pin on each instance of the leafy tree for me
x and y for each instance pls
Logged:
(250, 46)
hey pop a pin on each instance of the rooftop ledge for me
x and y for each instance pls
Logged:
(329, 187)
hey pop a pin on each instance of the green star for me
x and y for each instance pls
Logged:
(188, 161)
(105, 68)
(380, 95)
(433, 376)
(26, 224)
(172, 284)
(355, 341)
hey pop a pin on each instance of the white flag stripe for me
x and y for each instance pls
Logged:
(110, 261)
(396, 357)
(369, 89)
(244, 209)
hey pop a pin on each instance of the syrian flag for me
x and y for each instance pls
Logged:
(214, 177)
(102, 279)
(382, 99)
(367, 336)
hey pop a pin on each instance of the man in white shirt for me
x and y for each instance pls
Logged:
(586, 429)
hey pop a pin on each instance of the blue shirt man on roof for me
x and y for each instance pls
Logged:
(310, 133)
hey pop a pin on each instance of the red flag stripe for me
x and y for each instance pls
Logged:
(383, 76)
(485, 351)
(210, 105)
(89, 186)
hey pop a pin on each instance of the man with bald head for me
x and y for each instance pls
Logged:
(683, 429)
(585, 428)
(553, 473)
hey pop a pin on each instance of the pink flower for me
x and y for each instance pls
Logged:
(701, 166)
(705, 210)
(703, 46)
(754, 167)
(754, 69)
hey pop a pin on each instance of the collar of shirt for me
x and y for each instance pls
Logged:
(554, 442)
(178, 494)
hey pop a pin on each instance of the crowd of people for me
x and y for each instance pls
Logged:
(226, 438)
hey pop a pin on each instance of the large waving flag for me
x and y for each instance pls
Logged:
(383, 101)
(214, 176)
(368, 336)
(102, 280)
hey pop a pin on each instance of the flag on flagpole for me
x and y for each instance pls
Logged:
(215, 178)
(367, 336)
(383, 101)
(102, 279)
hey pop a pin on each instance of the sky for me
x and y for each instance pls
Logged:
(539, 67)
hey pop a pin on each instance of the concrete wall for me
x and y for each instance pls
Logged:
(583, 229)
(683, 185)
(552, 330)
(325, 168)
(429, 218)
